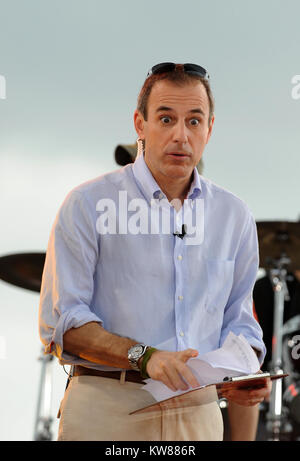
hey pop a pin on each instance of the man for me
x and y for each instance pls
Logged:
(109, 290)
(240, 422)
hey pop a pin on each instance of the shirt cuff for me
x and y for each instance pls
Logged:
(73, 318)
(259, 349)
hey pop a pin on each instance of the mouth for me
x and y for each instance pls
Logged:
(178, 154)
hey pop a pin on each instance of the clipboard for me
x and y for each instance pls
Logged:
(210, 392)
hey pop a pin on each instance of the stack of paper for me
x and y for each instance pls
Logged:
(235, 358)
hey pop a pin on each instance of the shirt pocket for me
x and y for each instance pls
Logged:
(219, 284)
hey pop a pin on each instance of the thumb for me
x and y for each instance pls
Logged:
(188, 354)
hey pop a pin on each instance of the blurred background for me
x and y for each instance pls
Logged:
(73, 70)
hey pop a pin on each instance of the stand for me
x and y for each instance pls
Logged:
(42, 429)
(275, 414)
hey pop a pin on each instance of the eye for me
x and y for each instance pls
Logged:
(165, 119)
(194, 121)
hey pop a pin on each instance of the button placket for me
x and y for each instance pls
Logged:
(179, 290)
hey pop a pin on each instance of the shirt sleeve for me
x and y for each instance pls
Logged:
(238, 314)
(67, 282)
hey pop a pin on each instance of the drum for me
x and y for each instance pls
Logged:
(291, 365)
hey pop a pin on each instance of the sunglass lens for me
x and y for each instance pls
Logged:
(163, 67)
(195, 69)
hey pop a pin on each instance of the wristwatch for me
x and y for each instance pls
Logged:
(135, 353)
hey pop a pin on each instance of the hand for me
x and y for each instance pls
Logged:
(249, 397)
(171, 369)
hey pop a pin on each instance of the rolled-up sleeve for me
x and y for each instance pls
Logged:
(68, 276)
(238, 315)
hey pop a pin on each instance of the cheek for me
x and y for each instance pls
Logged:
(154, 133)
(158, 137)
(201, 138)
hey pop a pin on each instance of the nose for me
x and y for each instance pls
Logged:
(180, 134)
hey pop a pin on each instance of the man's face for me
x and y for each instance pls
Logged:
(177, 129)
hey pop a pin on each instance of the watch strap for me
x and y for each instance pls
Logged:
(146, 357)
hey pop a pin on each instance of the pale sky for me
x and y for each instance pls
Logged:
(73, 70)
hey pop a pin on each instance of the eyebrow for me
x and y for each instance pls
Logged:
(193, 111)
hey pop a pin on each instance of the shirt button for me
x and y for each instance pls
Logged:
(180, 298)
(181, 333)
(179, 257)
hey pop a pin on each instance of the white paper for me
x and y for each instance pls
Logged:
(235, 358)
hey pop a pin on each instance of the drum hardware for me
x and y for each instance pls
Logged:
(43, 419)
(291, 396)
(276, 413)
(25, 270)
(279, 239)
(279, 251)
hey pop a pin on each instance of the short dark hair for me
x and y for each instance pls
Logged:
(178, 77)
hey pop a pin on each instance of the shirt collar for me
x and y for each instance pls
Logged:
(149, 186)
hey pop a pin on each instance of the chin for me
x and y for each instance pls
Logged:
(178, 171)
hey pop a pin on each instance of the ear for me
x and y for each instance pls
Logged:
(139, 124)
(210, 128)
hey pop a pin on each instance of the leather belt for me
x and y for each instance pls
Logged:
(130, 375)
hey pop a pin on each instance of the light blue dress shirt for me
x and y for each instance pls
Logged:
(153, 287)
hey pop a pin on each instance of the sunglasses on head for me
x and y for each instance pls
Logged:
(192, 69)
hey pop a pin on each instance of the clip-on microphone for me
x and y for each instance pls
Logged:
(183, 232)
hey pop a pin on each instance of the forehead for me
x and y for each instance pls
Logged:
(184, 97)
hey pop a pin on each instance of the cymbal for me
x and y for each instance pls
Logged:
(277, 239)
(23, 270)
(125, 153)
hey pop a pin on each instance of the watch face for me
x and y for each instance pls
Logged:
(136, 352)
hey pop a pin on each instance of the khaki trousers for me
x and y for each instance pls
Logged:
(96, 408)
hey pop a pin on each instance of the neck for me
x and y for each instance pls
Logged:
(173, 188)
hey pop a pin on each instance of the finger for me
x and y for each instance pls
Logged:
(244, 393)
(249, 403)
(169, 375)
(188, 375)
(252, 403)
(259, 393)
(180, 375)
(165, 379)
(243, 402)
(176, 379)
(188, 354)
(242, 398)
